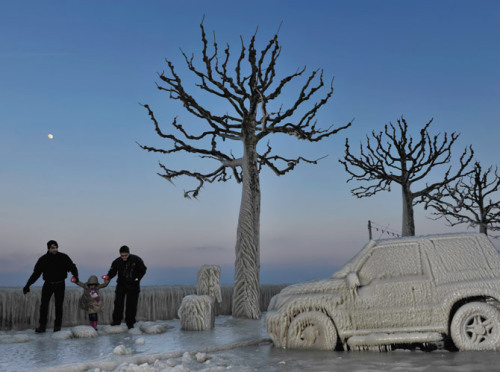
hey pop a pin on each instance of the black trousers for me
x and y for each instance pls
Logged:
(49, 289)
(130, 295)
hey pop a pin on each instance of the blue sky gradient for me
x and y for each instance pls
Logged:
(79, 69)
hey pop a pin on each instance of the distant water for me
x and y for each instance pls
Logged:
(18, 311)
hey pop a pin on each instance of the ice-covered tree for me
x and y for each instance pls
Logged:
(470, 200)
(393, 156)
(252, 110)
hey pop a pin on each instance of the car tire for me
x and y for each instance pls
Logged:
(476, 326)
(312, 330)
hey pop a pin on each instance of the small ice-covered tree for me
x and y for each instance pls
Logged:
(470, 200)
(395, 157)
(252, 110)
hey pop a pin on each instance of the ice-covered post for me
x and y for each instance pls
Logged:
(208, 282)
(197, 312)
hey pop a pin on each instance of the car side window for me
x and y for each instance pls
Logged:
(460, 255)
(391, 262)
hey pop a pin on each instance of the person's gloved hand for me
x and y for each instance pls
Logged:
(26, 289)
(74, 279)
(105, 277)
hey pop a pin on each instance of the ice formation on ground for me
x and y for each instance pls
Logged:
(64, 334)
(110, 330)
(208, 282)
(84, 331)
(233, 345)
(122, 350)
(152, 328)
(414, 290)
(197, 313)
(14, 339)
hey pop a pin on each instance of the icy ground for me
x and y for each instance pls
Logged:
(234, 345)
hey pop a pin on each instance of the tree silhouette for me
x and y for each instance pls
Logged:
(469, 200)
(250, 114)
(395, 157)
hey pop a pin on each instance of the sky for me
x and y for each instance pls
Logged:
(80, 70)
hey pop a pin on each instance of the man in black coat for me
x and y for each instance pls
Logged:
(130, 269)
(54, 266)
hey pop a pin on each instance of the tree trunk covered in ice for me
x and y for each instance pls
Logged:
(393, 156)
(247, 265)
(227, 135)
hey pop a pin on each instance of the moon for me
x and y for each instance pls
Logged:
(50, 136)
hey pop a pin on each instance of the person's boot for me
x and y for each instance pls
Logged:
(40, 329)
(57, 328)
(93, 323)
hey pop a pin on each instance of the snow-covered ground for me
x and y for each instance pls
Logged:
(234, 344)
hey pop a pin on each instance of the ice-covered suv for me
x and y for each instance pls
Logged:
(408, 291)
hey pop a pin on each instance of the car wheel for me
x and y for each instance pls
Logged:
(312, 330)
(476, 326)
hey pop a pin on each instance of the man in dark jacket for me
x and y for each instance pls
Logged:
(130, 269)
(54, 266)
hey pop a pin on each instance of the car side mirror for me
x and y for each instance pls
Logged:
(352, 280)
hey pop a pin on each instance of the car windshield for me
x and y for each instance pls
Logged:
(353, 263)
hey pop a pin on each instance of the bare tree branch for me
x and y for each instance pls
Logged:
(249, 118)
(469, 200)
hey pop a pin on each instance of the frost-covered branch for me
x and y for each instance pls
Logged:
(394, 156)
(470, 200)
(249, 88)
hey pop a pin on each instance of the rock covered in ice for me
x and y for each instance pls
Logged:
(122, 350)
(15, 339)
(131, 367)
(111, 330)
(152, 328)
(201, 357)
(171, 363)
(197, 313)
(19, 338)
(134, 331)
(180, 368)
(208, 282)
(186, 357)
(140, 341)
(84, 331)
